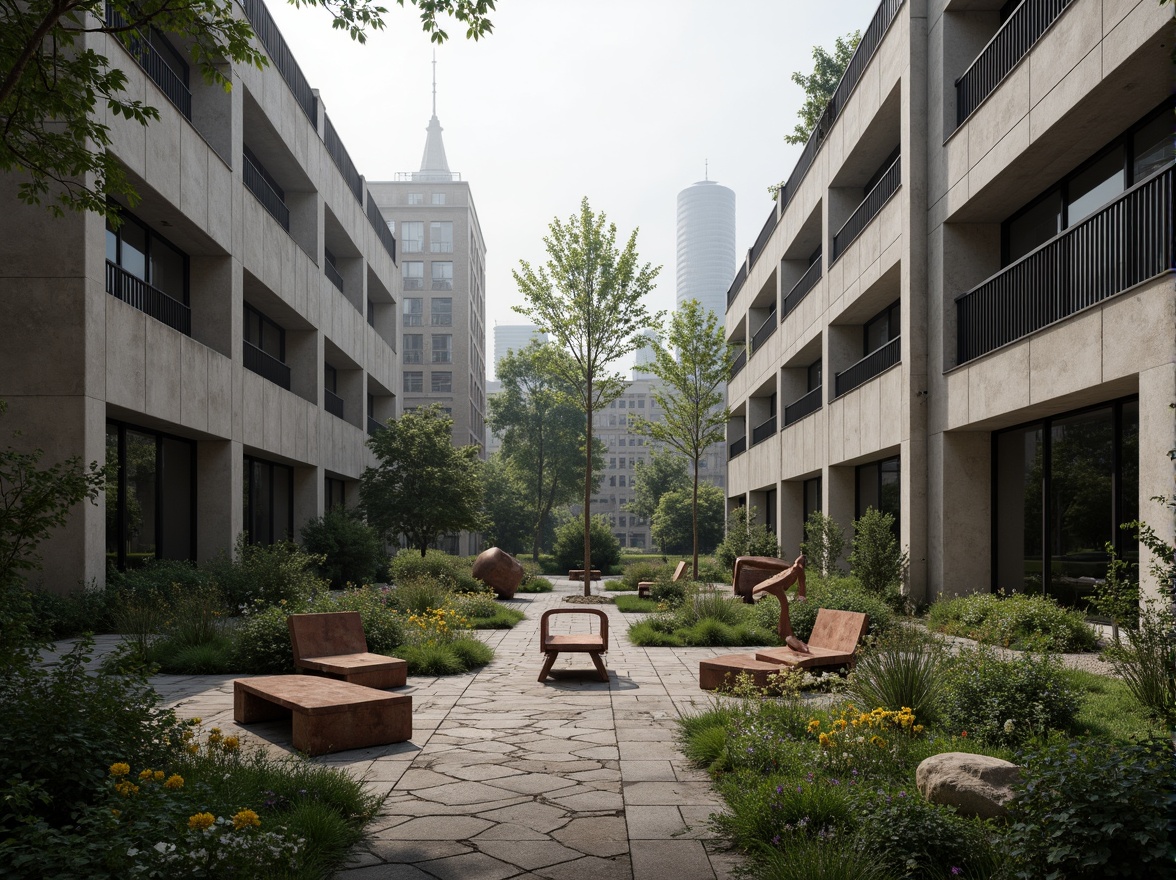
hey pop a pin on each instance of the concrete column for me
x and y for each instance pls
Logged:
(220, 511)
(791, 529)
(1157, 471)
(840, 499)
(308, 496)
(959, 526)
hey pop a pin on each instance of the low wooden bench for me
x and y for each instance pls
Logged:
(644, 587)
(833, 642)
(577, 574)
(593, 644)
(333, 645)
(326, 715)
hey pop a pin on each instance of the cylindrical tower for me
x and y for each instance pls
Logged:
(706, 244)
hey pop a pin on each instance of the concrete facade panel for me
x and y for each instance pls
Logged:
(163, 361)
(126, 344)
(1145, 316)
(1074, 35)
(1066, 358)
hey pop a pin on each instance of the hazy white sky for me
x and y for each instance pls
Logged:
(619, 100)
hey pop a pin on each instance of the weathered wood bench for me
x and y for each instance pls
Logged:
(577, 574)
(644, 587)
(593, 644)
(333, 645)
(833, 643)
(326, 715)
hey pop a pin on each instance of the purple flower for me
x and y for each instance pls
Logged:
(955, 872)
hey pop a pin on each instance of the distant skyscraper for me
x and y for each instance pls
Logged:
(706, 244)
(514, 337)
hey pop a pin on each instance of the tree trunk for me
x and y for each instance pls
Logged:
(424, 547)
(588, 495)
(694, 517)
(538, 505)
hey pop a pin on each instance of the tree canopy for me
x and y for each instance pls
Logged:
(508, 518)
(589, 296)
(424, 486)
(665, 472)
(674, 526)
(56, 85)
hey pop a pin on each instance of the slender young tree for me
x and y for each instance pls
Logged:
(665, 472)
(589, 296)
(691, 390)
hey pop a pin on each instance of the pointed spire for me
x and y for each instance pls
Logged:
(434, 165)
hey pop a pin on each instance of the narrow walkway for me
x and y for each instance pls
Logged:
(505, 777)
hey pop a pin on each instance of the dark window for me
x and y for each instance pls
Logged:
(331, 378)
(882, 328)
(335, 492)
(265, 175)
(814, 376)
(770, 510)
(264, 334)
(268, 498)
(140, 252)
(882, 169)
(812, 496)
(878, 487)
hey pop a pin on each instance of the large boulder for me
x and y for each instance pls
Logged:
(976, 785)
(501, 571)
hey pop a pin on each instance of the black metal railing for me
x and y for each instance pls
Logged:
(342, 159)
(170, 83)
(763, 431)
(266, 365)
(737, 447)
(333, 275)
(371, 313)
(740, 277)
(374, 427)
(136, 292)
(805, 406)
(766, 329)
(765, 233)
(1124, 244)
(739, 363)
(332, 403)
(387, 239)
(1010, 44)
(280, 55)
(268, 196)
(867, 210)
(801, 288)
(877, 361)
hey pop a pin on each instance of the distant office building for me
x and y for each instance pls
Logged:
(706, 244)
(514, 337)
(645, 356)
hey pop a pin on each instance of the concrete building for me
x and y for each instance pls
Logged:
(705, 245)
(975, 249)
(514, 337)
(228, 348)
(625, 448)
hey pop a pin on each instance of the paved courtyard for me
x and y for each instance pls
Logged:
(505, 777)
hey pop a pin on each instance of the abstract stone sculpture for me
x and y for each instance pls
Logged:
(501, 571)
(976, 785)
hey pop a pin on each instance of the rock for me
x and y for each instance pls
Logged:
(976, 785)
(501, 571)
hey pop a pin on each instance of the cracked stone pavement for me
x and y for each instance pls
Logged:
(505, 777)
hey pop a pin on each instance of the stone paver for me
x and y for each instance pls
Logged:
(505, 777)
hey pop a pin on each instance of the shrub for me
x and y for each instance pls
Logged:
(875, 558)
(214, 657)
(1093, 809)
(1013, 621)
(351, 549)
(263, 643)
(267, 574)
(902, 667)
(536, 584)
(418, 594)
(745, 537)
(837, 593)
(823, 543)
(449, 571)
(383, 628)
(672, 593)
(709, 571)
(159, 577)
(55, 616)
(1146, 661)
(569, 545)
(1004, 702)
(641, 571)
(816, 858)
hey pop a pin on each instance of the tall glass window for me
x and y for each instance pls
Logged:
(268, 498)
(412, 236)
(442, 348)
(441, 311)
(879, 486)
(140, 252)
(414, 311)
(414, 348)
(812, 496)
(413, 272)
(441, 237)
(442, 275)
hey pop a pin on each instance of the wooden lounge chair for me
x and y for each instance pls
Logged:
(833, 643)
(333, 645)
(593, 644)
(644, 587)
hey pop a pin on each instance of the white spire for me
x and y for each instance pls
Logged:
(434, 165)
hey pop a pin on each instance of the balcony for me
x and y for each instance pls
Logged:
(1126, 243)
(801, 289)
(733, 290)
(281, 57)
(763, 431)
(442, 284)
(383, 233)
(268, 196)
(740, 362)
(873, 364)
(266, 365)
(332, 403)
(333, 275)
(414, 283)
(342, 159)
(806, 406)
(139, 294)
(374, 427)
(1010, 44)
(867, 210)
(441, 320)
(761, 240)
(766, 329)
(170, 83)
(411, 246)
(738, 447)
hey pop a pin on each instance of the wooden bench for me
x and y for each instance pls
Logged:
(333, 645)
(593, 644)
(326, 715)
(577, 574)
(644, 587)
(833, 642)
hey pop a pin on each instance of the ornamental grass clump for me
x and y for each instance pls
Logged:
(902, 667)
(1016, 620)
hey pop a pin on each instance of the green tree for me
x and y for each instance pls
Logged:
(589, 296)
(875, 558)
(664, 473)
(542, 430)
(745, 537)
(606, 550)
(351, 549)
(424, 486)
(508, 518)
(823, 542)
(693, 367)
(55, 86)
(688, 518)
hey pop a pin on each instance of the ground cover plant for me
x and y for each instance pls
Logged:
(702, 616)
(637, 605)
(535, 583)
(1013, 621)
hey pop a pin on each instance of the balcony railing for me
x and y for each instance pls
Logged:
(1010, 44)
(136, 292)
(161, 73)
(440, 247)
(739, 363)
(266, 194)
(281, 56)
(442, 284)
(763, 431)
(806, 406)
(441, 320)
(738, 447)
(740, 277)
(332, 403)
(342, 159)
(371, 313)
(766, 329)
(801, 288)
(1126, 243)
(877, 361)
(765, 233)
(333, 275)
(414, 283)
(266, 365)
(867, 210)
(374, 427)
(383, 233)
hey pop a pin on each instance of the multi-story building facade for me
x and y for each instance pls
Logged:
(975, 250)
(227, 348)
(514, 337)
(705, 244)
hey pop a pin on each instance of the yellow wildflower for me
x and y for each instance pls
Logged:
(200, 821)
(175, 781)
(878, 741)
(918, 728)
(214, 736)
(120, 769)
(231, 743)
(814, 726)
(126, 788)
(193, 748)
(826, 740)
(246, 819)
(158, 775)
(145, 775)
(116, 813)
(840, 724)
